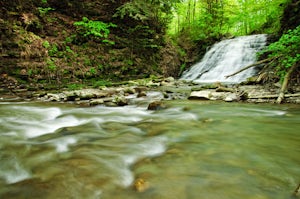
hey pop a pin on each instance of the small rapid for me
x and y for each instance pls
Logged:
(192, 149)
(225, 58)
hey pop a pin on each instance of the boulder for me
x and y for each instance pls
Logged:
(142, 94)
(120, 100)
(202, 95)
(232, 97)
(55, 97)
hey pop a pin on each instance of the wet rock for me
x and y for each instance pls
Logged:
(152, 84)
(110, 104)
(140, 89)
(170, 81)
(55, 97)
(129, 90)
(232, 97)
(142, 94)
(214, 95)
(94, 102)
(86, 94)
(120, 100)
(156, 105)
(201, 95)
(165, 94)
(140, 185)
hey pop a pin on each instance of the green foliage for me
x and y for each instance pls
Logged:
(69, 50)
(136, 10)
(203, 19)
(75, 86)
(53, 51)
(93, 71)
(182, 68)
(101, 83)
(70, 39)
(51, 65)
(46, 44)
(44, 1)
(44, 11)
(286, 51)
(97, 29)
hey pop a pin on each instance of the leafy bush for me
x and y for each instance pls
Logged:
(51, 65)
(75, 86)
(286, 51)
(101, 83)
(46, 44)
(97, 29)
(44, 11)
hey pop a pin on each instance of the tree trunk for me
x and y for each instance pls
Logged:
(285, 83)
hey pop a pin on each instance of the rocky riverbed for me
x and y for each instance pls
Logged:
(154, 91)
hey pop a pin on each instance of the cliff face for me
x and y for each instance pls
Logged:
(40, 44)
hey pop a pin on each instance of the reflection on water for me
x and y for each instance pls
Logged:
(190, 150)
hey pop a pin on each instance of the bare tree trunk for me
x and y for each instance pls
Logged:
(194, 11)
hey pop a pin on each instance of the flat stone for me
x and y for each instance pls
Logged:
(94, 102)
(232, 97)
(203, 95)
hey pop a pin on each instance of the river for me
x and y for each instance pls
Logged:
(191, 150)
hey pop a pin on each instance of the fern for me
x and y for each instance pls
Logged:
(96, 29)
(287, 50)
(136, 10)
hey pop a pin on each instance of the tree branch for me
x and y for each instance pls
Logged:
(285, 83)
(251, 65)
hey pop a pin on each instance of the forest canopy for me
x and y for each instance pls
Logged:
(55, 40)
(205, 18)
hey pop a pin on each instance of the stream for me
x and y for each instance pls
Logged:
(190, 150)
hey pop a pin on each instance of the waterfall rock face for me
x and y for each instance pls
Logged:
(226, 57)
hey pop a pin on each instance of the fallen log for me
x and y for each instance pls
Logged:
(273, 96)
(225, 89)
(285, 83)
(251, 65)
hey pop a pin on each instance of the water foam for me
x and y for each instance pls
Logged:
(225, 58)
(14, 172)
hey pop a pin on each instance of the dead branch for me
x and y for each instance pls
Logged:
(285, 83)
(251, 65)
(273, 96)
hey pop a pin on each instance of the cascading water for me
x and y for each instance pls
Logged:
(225, 58)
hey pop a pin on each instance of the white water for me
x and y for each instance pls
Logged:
(192, 149)
(225, 58)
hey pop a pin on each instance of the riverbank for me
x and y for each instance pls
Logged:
(149, 90)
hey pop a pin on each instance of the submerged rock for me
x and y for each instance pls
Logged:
(156, 105)
(141, 185)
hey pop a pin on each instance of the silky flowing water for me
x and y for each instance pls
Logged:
(227, 57)
(191, 150)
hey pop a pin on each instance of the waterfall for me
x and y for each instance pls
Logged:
(227, 57)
